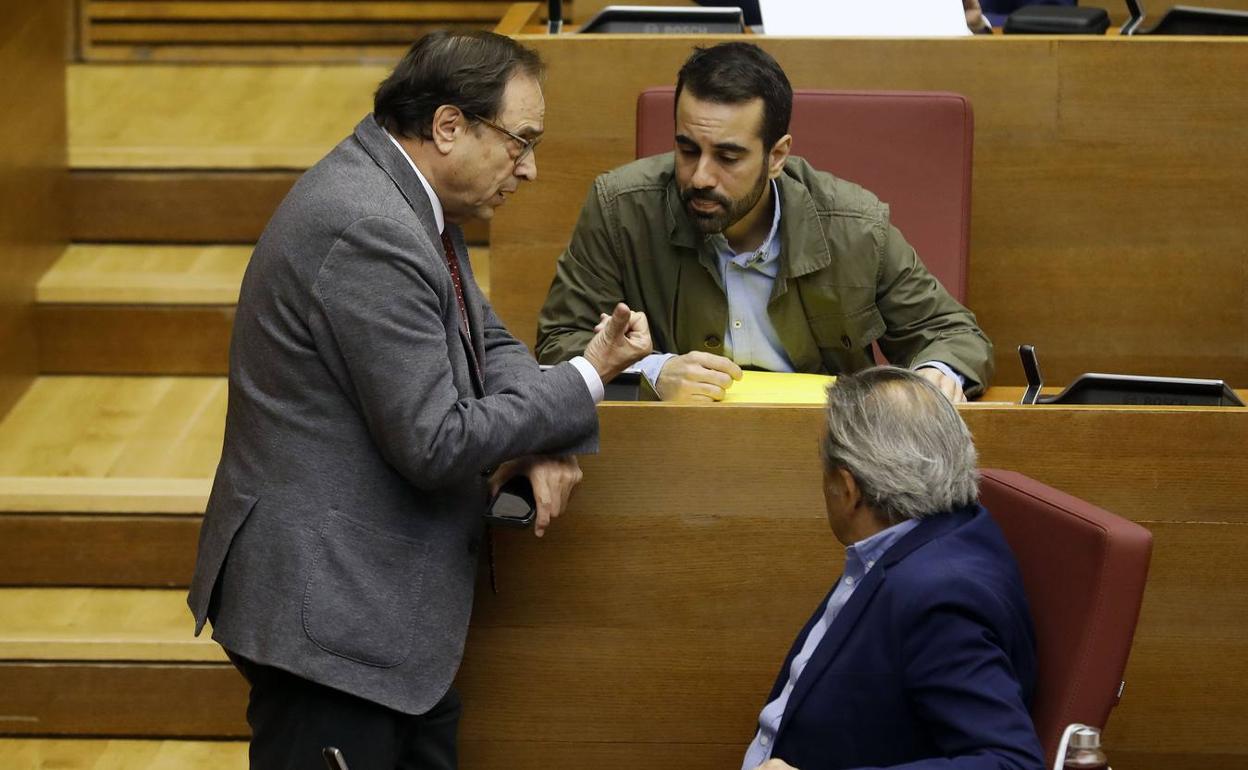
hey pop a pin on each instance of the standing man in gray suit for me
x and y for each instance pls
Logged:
(375, 401)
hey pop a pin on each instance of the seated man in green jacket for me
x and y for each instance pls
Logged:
(744, 256)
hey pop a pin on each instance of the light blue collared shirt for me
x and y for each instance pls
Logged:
(748, 279)
(859, 559)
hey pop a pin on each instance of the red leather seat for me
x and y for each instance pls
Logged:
(912, 149)
(1084, 571)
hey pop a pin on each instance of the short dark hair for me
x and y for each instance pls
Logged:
(733, 73)
(468, 69)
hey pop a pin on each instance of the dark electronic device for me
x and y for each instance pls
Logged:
(1126, 389)
(624, 387)
(1056, 20)
(665, 20)
(333, 758)
(1187, 20)
(749, 9)
(514, 505)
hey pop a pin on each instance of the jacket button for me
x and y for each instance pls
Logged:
(846, 341)
(712, 341)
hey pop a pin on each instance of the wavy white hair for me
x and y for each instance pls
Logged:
(902, 441)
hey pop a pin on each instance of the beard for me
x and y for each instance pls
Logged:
(730, 211)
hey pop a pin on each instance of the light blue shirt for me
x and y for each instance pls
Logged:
(747, 279)
(859, 559)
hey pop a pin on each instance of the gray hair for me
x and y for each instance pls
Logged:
(902, 441)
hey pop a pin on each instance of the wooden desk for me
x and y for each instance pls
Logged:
(1111, 177)
(648, 624)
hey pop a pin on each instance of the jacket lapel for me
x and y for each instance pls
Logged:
(847, 619)
(803, 250)
(831, 643)
(376, 142)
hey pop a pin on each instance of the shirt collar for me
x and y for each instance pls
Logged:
(433, 197)
(869, 550)
(770, 248)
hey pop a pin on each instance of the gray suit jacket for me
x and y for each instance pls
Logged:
(340, 540)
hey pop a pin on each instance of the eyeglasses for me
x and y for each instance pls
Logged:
(527, 146)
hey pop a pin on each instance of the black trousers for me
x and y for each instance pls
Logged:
(292, 719)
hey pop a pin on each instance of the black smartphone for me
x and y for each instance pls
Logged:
(333, 758)
(514, 505)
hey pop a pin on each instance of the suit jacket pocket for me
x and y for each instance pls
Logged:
(362, 592)
(227, 510)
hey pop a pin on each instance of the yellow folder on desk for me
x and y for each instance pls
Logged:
(779, 388)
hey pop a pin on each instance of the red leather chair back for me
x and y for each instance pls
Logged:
(912, 149)
(1084, 571)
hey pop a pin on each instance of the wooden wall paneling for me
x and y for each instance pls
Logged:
(1130, 258)
(1189, 662)
(664, 552)
(32, 177)
(1086, 193)
(656, 612)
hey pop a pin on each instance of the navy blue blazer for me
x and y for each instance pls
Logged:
(931, 663)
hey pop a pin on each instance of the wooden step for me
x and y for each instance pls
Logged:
(101, 625)
(238, 30)
(116, 427)
(128, 309)
(112, 274)
(112, 662)
(213, 117)
(169, 206)
(103, 480)
(203, 153)
(98, 754)
(57, 531)
(204, 206)
(122, 698)
(148, 309)
(155, 754)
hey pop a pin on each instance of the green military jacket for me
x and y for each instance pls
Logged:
(847, 278)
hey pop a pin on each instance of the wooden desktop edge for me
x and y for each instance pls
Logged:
(1003, 397)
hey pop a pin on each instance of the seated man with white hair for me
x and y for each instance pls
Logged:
(923, 655)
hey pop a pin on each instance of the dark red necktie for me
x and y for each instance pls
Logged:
(452, 262)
